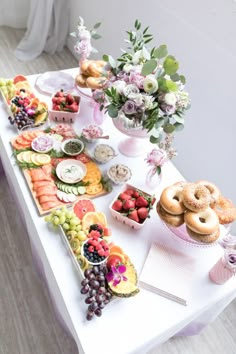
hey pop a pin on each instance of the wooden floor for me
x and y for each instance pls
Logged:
(28, 324)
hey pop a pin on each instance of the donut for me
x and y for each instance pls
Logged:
(196, 197)
(225, 210)
(173, 220)
(203, 222)
(209, 238)
(81, 80)
(171, 200)
(214, 191)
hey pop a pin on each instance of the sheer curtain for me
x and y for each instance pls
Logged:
(14, 13)
(47, 28)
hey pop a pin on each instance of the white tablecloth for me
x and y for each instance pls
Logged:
(133, 325)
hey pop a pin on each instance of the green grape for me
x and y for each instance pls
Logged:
(66, 226)
(72, 227)
(78, 227)
(64, 209)
(2, 82)
(48, 218)
(69, 214)
(62, 219)
(58, 213)
(56, 220)
(73, 221)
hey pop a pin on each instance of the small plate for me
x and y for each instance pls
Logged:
(71, 171)
(72, 142)
(52, 81)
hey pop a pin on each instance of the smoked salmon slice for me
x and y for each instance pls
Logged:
(50, 205)
(39, 184)
(46, 191)
(38, 174)
(47, 198)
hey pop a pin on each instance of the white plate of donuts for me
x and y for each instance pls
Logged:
(196, 212)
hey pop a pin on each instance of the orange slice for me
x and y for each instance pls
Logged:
(93, 217)
(116, 249)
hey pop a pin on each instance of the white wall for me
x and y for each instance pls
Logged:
(14, 13)
(202, 37)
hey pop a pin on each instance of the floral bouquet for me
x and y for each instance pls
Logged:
(144, 88)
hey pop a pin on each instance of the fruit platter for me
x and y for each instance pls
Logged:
(24, 108)
(106, 272)
(56, 167)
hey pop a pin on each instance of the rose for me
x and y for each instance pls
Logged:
(129, 107)
(130, 90)
(119, 85)
(170, 99)
(84, 48)
(150, 84)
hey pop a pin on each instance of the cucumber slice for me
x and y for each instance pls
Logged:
(75, 191)
(81, 190)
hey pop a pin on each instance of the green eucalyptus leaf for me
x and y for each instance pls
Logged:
(175, 77)
(182, 79)
(98, 24)
(159, 123)
(155, 140)
(111, 61)
(170, 65)
(105, 57)
(96, 36)
(112, 111)
(161, 51)
(171, 86)
(178, 127)
(178, 119)
(149, 67)
(169, 128)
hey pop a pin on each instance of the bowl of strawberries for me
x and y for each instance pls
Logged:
(65, 107)
(132, 206)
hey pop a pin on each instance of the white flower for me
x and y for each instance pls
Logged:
(137, 57)
(127, 68)
(130, 90)
(137, 98)
(183, 100)
(119, 85)
(150, 84)
(148, 102)
(170, 99)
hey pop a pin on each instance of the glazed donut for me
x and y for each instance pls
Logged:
(225, 210)
(173, 220)
(209, 238)
(203, 222)
(214, 191)
(81, 80)
(171, 200)
(95, 82)
(196, 197)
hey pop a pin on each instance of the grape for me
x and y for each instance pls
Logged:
(98, 312)
(62, 219)
(93, 306)
(84, 282)
(85, 289)
(90, 315)
(56, 220)
(66, 226)
(89, 300)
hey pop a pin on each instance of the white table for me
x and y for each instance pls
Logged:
(133, 325)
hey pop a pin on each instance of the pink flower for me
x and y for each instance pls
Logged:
(84, 48)
(136, 79)
(157, 157)
(115, 275)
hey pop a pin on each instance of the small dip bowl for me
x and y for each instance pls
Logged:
(95, 259)
(71, 171)
(42, 144)
(103, 153)
(92, 133)
(119, 173)
(72, 147)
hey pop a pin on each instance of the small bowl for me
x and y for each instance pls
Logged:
(90, 262)
(92, 133)
(71, 171)
(103, 153)
(76, 144)
(42, 144)
(119, 173)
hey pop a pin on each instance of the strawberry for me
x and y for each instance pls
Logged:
(129, 191)
(69, 98)
(143, 213)
(141, 202)
(117, 205)
(133, 215)
(136, 194)
(129, 204)
(124, 196)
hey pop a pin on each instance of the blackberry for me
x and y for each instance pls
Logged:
(96, 227)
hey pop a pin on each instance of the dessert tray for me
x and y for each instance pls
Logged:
(53, 177)
(105, 271)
